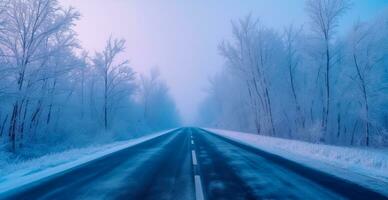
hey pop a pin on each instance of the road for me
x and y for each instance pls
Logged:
(191, 163)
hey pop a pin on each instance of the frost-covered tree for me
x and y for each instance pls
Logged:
(253, 55)
(367, 53)
(117, 77)
(324, 16)
(52, 94)
(292, 37)
(305, 76)
(27, 41)
(159, 110)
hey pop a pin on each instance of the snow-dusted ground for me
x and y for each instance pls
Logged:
(367, 167)
(16, 175)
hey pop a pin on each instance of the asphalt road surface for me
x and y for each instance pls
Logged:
(190, 163)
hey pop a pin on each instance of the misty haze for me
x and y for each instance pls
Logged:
(150, 99)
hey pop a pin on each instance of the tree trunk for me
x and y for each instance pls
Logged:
(365, 97)
(106, 100)
(326, 115)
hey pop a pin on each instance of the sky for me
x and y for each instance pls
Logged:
(180, 37)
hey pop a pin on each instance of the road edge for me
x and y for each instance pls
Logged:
(31, 179)
(326, 179)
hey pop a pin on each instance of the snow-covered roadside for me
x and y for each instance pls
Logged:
(16, 175)
(367, 167)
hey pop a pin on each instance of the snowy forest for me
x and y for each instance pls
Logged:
(305, 82)
(55, 95)
(311, 82)
(196, 99)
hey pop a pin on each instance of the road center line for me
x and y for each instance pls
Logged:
(192, 142)
(198, 188)
(194, 157)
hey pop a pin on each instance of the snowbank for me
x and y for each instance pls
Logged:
(16, 175)
(367, 167)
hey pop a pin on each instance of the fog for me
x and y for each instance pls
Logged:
(181, 37)
(312, 70)
(116, 98)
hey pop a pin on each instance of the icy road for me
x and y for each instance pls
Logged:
(191, 163)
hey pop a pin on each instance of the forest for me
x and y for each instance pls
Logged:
(55, 95)
(135, 99)
(305, 82)
(312, 82)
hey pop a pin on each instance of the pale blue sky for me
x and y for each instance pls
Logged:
(181, 36)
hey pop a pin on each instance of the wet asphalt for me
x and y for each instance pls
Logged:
(164, 168)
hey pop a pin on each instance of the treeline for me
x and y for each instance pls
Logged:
(53, 94)
(305, 83)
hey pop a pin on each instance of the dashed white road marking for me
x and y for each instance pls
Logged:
(197, 178)
(198, 188)
(194, 157)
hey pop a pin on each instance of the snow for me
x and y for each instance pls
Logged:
(366, 167)
(13, 176)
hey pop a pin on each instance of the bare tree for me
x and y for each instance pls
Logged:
(299, 73)
(159, 110)
(366, 55)
(291, 36)
(325, 15)
(148, 84)
(26, 32)
(252, 55)
(115, 75)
